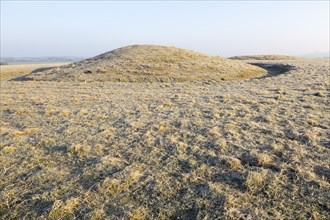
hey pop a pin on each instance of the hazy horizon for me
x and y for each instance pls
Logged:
(85, 29)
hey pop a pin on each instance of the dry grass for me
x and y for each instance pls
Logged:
(12, 71)
(167, 151)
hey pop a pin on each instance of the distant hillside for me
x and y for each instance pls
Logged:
(264, 57)
(318, 55)
(149, 63)
(16, 60)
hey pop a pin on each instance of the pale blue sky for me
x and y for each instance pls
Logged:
(87, 28)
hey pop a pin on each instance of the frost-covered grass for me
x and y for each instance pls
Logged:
(255, 149)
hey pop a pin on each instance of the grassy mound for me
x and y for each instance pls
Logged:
(147, 63)
(264, 57)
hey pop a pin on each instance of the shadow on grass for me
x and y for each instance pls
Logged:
(323, 172)
(273, 69)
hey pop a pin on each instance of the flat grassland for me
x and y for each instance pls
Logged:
(245, 149)
(12, 71)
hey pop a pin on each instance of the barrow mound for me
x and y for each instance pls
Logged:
(149, 63)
